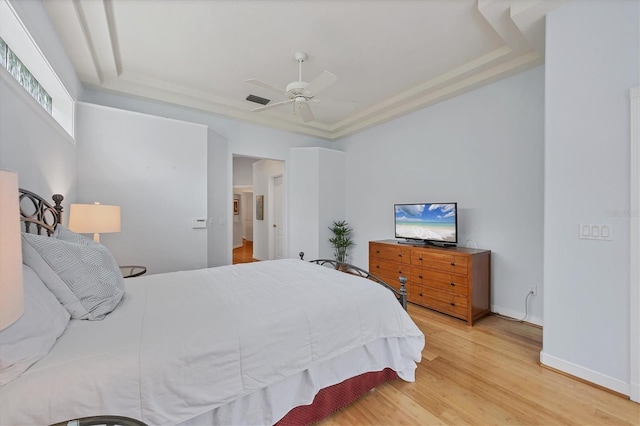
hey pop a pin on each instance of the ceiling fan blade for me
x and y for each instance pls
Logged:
(303, 110)
(273, 105)
(321, 82)
(264, 85)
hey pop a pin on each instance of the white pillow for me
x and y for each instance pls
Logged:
(33, 335)
(83, 276)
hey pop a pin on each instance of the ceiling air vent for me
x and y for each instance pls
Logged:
(258, 99)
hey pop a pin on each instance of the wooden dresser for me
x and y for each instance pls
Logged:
(455, 281)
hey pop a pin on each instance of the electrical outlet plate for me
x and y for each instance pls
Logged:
(533, 290)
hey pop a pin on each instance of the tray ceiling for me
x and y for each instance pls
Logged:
(390, 57)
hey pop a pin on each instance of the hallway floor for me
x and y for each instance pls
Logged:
(244, 254)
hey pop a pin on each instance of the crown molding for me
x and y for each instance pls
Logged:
(520, 24)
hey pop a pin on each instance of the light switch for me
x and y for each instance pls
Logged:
(199, 223)
(585, 231)
(595, 231)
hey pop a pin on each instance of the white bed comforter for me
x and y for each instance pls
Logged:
(181, 344)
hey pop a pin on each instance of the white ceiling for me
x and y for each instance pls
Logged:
(390, 57)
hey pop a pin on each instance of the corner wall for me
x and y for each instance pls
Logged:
(591, 63)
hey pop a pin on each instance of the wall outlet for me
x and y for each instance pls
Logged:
(533, 290)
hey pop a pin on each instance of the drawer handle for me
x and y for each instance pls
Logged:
(453, 284)
(378, 266)
(420, 258)
(453, 304)
(420, 276)
(420, 294)
(399, 272)
(400, 255)
(453, 263)
(377, 251)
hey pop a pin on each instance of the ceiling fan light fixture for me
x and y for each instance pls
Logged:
(299, 92)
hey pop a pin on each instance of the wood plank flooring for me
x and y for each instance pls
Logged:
(244, 254)
(487, 374)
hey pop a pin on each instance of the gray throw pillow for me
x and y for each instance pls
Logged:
(83, 275)
(33, 335)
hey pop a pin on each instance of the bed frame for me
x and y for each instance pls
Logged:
(400, 294)
(39, 216)
(34, 210)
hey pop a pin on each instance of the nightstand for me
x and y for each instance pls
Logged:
(131, 271)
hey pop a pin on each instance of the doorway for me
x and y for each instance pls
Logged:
(259, 179)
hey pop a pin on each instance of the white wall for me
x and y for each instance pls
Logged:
(219, 201)
(591, 62)
(34, 145)
(317, 189)
(156, 170)
(31, 142)
(263, 172)
(483, 149)
(243, 171)
(242, 139)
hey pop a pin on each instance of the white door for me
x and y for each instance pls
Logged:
(278, 222)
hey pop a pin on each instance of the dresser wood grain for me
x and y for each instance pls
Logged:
(455, 281)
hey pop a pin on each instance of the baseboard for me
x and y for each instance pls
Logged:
(585, 374)
(634, 392)
(516, 315)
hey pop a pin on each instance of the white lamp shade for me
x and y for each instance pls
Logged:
(94, 218)
(11, 284)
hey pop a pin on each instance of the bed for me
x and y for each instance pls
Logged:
(275, 342)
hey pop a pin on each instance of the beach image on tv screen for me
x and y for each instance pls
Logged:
(426, 221)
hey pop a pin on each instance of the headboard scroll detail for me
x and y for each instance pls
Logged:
(35, 210)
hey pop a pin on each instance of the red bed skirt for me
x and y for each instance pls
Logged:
(332, 398)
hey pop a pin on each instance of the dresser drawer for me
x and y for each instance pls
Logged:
(386, 267)
(448, 303)
(390, 252)
(439, 280)
(439, 261)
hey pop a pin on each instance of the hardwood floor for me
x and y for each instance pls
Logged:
(244, 254)
(481, 375)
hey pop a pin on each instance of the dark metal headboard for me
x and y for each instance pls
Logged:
(35, 210)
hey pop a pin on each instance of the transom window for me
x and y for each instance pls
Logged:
(10, 61)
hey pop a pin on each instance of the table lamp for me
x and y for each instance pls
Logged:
(11, 284)
(94, 219)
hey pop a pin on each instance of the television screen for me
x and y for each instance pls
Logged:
(436, 222)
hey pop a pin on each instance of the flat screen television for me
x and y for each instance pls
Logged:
(427, 223)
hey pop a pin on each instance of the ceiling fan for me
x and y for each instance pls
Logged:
(300, 92)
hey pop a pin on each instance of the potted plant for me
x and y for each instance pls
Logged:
(341, 239)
